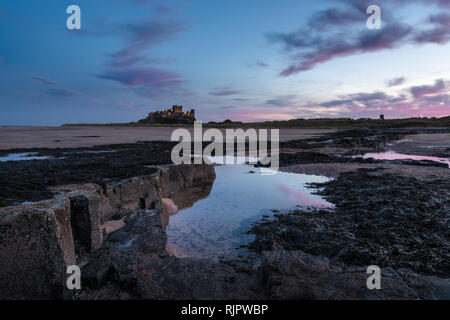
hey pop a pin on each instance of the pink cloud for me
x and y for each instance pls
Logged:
(151, 77)
(97, 100)
(438, 87)
(260, 115)
(124, 104)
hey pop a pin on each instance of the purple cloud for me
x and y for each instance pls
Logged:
(429, 99)
(331, 33)
(149, 82)
(368, 100)
(442, 19)
(442, 3)
(262, 64)
(141, 37)
(132, 66)
(63, 93)
(143, 2)
(282, 101)
(440, 34)
(316, 49)
(420, 91)
(336, 103)
(142, 77)
(227, 108)
(125, 63)
(395, 81)
(334, 17)
(44, 80)
(240, 99)
(365, 97)
(160, 6)
(224, 91)
(440, 99)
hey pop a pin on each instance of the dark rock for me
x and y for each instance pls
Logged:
(85, 220)
(382, 219)
(297, 275)
(98, 269)
(31, 180)
(36, 247)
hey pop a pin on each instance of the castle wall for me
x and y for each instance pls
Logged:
(177, 109)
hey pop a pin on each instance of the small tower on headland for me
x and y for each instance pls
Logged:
(381, 116)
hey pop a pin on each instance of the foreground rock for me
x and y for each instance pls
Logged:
(38, 241)
(297, 275)
(140, 267)
(32, 180)
(36, 246)
(395, 222)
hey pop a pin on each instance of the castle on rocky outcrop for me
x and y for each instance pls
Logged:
(173, 115)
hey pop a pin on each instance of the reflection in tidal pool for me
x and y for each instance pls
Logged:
(216, 225)
(392, 155)
(21, 156)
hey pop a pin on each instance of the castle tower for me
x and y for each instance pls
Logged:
(177, 109)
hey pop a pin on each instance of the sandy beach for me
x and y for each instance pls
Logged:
(86, 136)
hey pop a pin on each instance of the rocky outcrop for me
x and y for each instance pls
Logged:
(395, 222)
(298, 275)
(38, 241)
(147, 191)
(135, 262)
(36, 246)
(379, 218)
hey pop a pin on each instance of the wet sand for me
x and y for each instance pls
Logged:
(431, 144)
(86, 136)
(333, 170)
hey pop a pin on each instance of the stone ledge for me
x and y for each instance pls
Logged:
(39, 240)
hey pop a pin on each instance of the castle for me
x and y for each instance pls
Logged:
(173, 115)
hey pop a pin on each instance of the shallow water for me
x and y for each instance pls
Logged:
(392, 155)
(22, 156)
(215, 226)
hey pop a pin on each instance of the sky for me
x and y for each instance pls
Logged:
(244, 60)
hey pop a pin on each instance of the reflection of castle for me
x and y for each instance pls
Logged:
(174, 115)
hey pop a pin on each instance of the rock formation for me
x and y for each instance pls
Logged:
(39, 240)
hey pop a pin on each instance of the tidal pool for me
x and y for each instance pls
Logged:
(392, 155)
(215, 226)
(22, 156)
